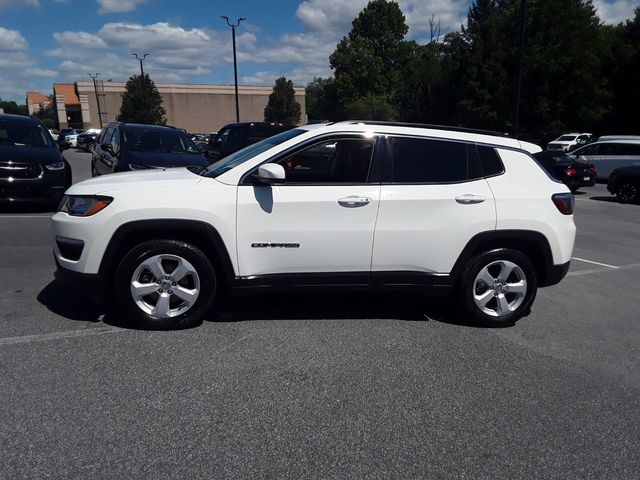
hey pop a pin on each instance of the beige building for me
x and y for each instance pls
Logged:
(196, 108)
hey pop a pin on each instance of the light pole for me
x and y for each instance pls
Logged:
(95, 89)
(235, 62)
(141, 67)
(523, 21)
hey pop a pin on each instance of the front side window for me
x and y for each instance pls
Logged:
(419, 160)
(332, 161)
(106, 138)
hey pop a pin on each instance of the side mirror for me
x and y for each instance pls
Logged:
(269, 174)
(107, 148)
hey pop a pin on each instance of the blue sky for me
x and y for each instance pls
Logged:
(47, 41)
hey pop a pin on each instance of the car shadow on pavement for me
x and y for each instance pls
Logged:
(347, 306)
(605, 199)
(69, 303)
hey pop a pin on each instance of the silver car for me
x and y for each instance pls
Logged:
(606, 156)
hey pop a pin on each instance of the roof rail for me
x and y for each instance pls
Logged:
(426, 125)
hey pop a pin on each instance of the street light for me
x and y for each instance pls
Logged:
(141, 67)
(95, 89)
(235, 63)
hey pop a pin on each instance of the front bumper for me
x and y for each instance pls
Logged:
(49, 187)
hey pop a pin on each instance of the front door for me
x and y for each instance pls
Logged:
(321, 220)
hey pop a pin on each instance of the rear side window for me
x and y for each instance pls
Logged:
(490, 161)
(629, 149)
(419, 160)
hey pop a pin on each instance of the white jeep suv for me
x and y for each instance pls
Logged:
(347, 205)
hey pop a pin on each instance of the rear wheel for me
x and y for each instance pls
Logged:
(628, 192)
(498, 287)
(165, 284)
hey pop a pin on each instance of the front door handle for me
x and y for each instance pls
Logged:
(470, 199)
(354, 201)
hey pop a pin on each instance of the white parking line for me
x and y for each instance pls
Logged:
(59, 335)
(593, 262)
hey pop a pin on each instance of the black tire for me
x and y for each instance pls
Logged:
(628, 192)
(130, 264)
(467, 287)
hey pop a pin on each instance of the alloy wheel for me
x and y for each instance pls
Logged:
(165, 286)
(499, 288)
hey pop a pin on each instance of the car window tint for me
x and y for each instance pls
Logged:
(235, 138)
(432, 161)
(589, 150)
(115, 140)
(332, 161)
(490, 161)
(628, 149)
(107, 135)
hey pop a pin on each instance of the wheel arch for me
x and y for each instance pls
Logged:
(532, 244)
(200, 234)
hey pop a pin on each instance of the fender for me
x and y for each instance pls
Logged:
(202, 234)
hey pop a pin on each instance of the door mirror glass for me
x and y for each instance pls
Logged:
(269, 173)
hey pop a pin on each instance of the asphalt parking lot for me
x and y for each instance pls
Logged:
(325, 386)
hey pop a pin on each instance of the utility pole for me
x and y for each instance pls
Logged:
(141, 66)
(235, 62)
(95, 89)
(523, 22)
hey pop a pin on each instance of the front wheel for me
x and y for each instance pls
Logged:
(628, 192)
(498, 287)
(165, 284)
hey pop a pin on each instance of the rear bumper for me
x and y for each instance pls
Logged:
(554, 274)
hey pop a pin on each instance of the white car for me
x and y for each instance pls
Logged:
(569, 141)
(349, 205)
(608, 155)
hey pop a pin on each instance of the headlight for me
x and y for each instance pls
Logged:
(83, 206)
(55, 166)
(134, 166)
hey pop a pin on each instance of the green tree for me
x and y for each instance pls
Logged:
(282, 106)
(369, 62)
(562, 85)
(142, 103)
(12, 107)
(322, 102)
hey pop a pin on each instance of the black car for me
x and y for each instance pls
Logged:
(32, 169)
(88, 139)
(624, 183)
(573, 173)
(236, 136)
(126, 146)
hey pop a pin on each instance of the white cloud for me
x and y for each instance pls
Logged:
(337, 15)
(118, 6)
(78, 40)
(615, 11)
(19, 3)
(41, 72)
(12, 40)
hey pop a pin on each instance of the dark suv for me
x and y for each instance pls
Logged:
(236, 136)
(127, 146)
(32, 168)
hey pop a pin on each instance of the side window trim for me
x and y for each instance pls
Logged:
(374, 170)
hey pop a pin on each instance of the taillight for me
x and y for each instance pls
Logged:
(563, 202)
(593, 169)
(571, 171)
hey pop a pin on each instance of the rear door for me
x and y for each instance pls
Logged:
(435, 200)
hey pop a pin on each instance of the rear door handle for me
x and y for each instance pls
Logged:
(354, 201)
(470, 199)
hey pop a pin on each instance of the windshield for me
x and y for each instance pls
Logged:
(24, 134)
(165, 141)
(566, 138)
(241, 156)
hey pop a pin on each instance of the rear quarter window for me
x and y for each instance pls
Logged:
(490, 161)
